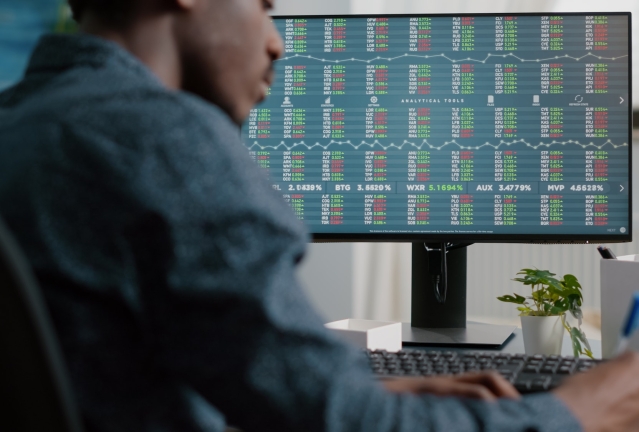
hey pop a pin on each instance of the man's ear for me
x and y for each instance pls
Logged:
(185, 4)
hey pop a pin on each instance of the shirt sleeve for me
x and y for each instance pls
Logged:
(215, 251)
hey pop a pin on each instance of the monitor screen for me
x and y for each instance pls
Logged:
(504, 128)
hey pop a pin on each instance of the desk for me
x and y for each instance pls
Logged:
(514, 345)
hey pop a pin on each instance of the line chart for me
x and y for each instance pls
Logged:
(468, 59)
(426, 145)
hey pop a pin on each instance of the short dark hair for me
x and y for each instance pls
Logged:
(112, 11)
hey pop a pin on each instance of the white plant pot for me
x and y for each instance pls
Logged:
(542, 335)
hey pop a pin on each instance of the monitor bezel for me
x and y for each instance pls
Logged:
(492, 238)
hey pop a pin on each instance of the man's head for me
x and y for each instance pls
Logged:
(110, 10)
(223, 50)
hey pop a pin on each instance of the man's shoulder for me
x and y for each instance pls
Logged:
(109, 119)
(138, 114)
(114, 107)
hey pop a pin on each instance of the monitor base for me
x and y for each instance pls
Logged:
(475, 334)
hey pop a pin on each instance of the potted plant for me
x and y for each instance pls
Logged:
(544, 311)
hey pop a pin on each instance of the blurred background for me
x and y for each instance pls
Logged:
(21, 24)
(372, 280)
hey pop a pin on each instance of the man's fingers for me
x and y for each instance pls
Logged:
(493, 381)
(402, 385)
(469, 390)
(474, 387)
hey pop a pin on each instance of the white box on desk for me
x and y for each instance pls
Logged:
(369, 334)
(619, 281)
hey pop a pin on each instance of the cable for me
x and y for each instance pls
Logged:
(438, 270)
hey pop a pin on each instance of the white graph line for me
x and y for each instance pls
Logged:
(468, 59)
(426, 145)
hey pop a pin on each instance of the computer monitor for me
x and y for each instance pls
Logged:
(446, 130)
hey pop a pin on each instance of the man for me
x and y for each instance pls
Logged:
(168, 262)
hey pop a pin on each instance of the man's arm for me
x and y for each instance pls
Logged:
(607, 397)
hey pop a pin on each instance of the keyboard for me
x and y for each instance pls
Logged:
(529, 374)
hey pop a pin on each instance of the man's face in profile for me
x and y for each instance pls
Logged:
(228, 48)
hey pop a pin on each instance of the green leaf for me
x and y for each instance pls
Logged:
(576, 346)
(517, 299)
(573, 293)
(536, 277)
(555, 285)
(557, 310)
(536, 273)
(579, 334)
(528, 271)
(577, 313)
(555, 292)
(525, 281)
(520, 298)
(539, 295)
(525, 311)
(574, 296)
(571, 281)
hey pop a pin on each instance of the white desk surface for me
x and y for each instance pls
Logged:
(515, 345)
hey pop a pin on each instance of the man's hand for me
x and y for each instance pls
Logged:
(606, 398)
(486, 385)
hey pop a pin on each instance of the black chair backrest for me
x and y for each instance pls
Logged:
(35, 393)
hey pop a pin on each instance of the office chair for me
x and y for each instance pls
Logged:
(35, 394)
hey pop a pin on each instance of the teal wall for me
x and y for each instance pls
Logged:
(21, 24)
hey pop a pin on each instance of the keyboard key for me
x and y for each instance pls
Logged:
(565, 369)
(531, 368)
(522, 386)
(540, 384)
(512, 368)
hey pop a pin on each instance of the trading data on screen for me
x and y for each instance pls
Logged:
(443, 124)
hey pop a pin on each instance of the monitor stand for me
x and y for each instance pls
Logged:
(444, 324)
